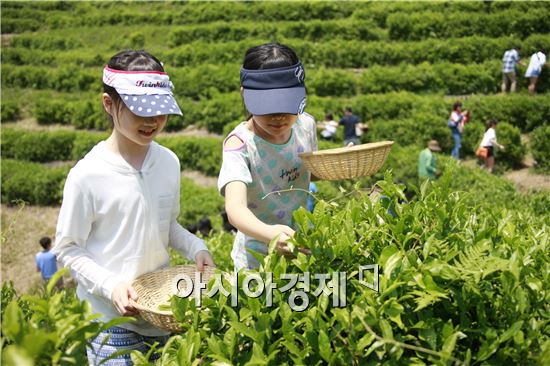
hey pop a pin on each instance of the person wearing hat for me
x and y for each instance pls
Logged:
(120, 205)
(262, 176)
(427, 161)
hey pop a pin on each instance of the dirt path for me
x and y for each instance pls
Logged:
(22, 227)
(525, 180)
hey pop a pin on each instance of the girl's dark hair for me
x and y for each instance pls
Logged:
(131, 61)
(269, 56)
(491, 123)
(328, 116)
(456, 105)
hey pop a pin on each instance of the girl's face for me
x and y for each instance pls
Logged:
(274, 128)
(137, 130)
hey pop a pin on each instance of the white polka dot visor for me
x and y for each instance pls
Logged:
(151, 105)
(145, 93)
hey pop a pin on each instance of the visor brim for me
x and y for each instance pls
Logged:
(151, 105)
(272, 101)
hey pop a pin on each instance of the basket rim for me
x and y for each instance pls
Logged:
(177, 268)
(345, 150)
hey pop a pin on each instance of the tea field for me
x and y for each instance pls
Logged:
(463, 261)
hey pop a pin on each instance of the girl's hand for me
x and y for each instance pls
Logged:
(501, 147)
(285, 233)
(122, 293)
(203, 258)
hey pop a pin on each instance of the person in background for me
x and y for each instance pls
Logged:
(310, 203)
(509, 61)
(329, 127)
(538, 60)
(46, 262)
(456, 122)
(489, 142)
(205, 226)
(351, 124)
(427, 162)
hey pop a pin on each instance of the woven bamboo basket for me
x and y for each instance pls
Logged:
(347, 162)
(156, 288)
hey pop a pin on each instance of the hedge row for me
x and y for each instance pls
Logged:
(206, 81)
(540, 146)
(198, 202)
(423, 128)
(10, 111)
(195, 153)
(415, 26)
(37, 184)
(520, 110)
(313, 30)
(31, 182)
(29, 17)
(334, 53)
(46, 146)
(204, 154)
(523, 111)
(177, 13)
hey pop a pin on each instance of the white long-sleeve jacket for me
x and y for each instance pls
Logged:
(116, 223)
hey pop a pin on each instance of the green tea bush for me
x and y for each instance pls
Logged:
(317, 30)
(67, 79)
(10, 111)
(325, 82)
(196, 153)
(514, 152)
(36, 146)
(197, 202)
(20, 25)
(49, 111)
(332, 53)
(471, 138)
(452, 289)
(84, 142)
(420, 25)
(49, 42)
(53, 328)
(31, 182)
(540, 147)
(419, 131)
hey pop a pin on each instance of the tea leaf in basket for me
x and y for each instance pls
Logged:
(165, 307)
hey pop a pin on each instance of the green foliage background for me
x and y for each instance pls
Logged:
(463, 260)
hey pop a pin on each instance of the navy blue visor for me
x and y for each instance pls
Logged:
(274, 91)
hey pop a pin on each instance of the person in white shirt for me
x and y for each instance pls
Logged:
(489, 142)
(120, 205)
(329, 127)
(538, 60)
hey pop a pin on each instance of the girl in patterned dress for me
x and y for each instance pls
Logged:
(260, 155)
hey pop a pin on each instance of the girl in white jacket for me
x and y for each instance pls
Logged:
(121, 202)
